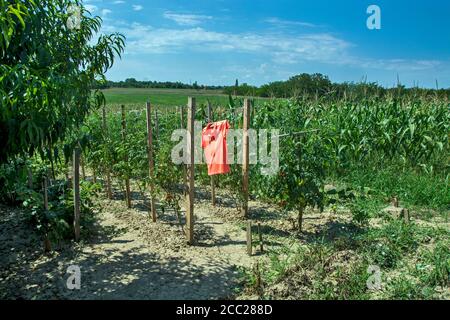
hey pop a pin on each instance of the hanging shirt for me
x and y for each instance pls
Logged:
(215, 144)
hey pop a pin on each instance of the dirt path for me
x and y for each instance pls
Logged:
(129, 258)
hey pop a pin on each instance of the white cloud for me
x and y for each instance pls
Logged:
(91, 8)
(284, 23)
(119, 2)
(105, 12)
(137, 7)
(282, 49)
(276, 48)
(186, 19)
(398, 64)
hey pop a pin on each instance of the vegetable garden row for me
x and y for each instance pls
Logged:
(406, 134)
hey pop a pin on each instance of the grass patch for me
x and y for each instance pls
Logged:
(414, 261)
(412, 188)
(433, 268)
(428, 278)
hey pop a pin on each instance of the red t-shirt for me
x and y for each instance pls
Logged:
(215, 144)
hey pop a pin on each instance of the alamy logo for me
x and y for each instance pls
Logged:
(374, 280)
(74, 280)
(74, 19)
(264, 147)
(374, 20)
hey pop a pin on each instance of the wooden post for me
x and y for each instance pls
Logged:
(83, 171)
(405, 214)
(300, 219)
(213, 187)
(45, 188)
(30, 177)
(151, 164)
(184, 165)
(190, 172)
(127, 178)
(245, 157)
(47, 243)
(258, 283)
(94, 175)
(249, 237)
(156, 123)
(108, 172)
(67, 173)
(76, 192)
(395, 202)
(261, 243)
(52, 169)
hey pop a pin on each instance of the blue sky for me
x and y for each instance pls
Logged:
(216, 41)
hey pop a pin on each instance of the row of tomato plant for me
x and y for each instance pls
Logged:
(413, 134)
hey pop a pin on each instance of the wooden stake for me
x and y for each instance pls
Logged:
(213, 187)
(245, 158)
(184, 165)
(151, 165)
(45, 187)
(47, 243)
(249, 237)
(67, 173)
(190, 172)
(108, 174)
(83, 171)
(94, 173)
(395, 202)
(127, 178)
(30, 178)
(300, 219)
(405, 214)
(261, 243)
(52, 169)
(156, 123)
(258, 279)
(76, 192)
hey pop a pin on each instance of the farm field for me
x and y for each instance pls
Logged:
(349, 225)
(329, 190)
(163, 97)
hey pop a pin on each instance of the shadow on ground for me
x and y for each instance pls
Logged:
(107, 273)
(334, 232)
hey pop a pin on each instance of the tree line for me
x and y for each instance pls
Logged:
(133, 83)
(315, 85)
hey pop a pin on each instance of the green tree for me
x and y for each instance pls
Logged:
(48, 66)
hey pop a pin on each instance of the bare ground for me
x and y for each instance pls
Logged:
(129, 257)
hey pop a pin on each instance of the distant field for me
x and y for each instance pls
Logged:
(162, 97)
